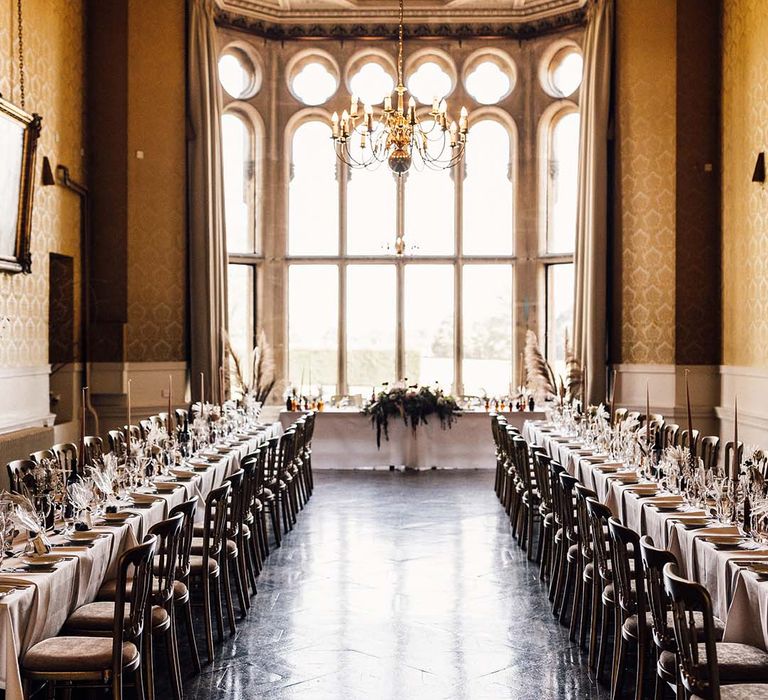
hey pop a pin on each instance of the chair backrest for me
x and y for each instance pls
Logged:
(522, 463)
(654, 560)
(582, 518)
(699, 676)
(709, 451)
(188, 509)
(685, 441)
(310, 418)
(168, 533)
(286, 451)
(598, 520)
(20, 476)
(215, 529)
(728, 454)
(94, 448)
(670, 435)
(627, 570)
(66, 454)
(568, 515)
(116, 439)
(555, 469)
(134, 566)
(236, 515)
(541, 461)
(42, 455)
(272, 463)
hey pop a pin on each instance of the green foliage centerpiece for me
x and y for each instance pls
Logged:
(413, 404)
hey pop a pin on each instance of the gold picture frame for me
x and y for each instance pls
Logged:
(19, 133)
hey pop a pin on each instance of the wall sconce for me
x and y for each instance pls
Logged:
(47, 173)
(759, 173)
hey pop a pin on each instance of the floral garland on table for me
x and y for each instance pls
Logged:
(413, 404)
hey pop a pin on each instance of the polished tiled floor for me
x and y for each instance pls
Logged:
(398, 585)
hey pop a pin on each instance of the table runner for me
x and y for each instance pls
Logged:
(40, 611)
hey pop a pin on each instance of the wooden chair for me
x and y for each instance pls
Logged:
(20, 476)
(685, 441)
(94, 449)
(182, 599)
(528, 497)
(253, 514)
(42, 455)
(66, 454)
(96, 617)
(703, 662)
(603, 598)
(270, 485)
(310, 419)
(101, 660)
(541, 462)
(568, 566)
(587, 565)
(558, 539)
(709, 451)
(205, 568)
(670, 435)
(499, 458)
(631, 624)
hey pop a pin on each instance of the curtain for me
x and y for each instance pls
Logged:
(592, 209)
(205, 201)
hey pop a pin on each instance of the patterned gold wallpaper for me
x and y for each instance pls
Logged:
(745, 204)
(646, 178)
(53, 55)
(156, 183)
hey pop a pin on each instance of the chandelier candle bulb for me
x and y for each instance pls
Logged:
(463, 120)
(353, 106)
(335, 125)
(435, 105)
(388, 103)
(454, 130)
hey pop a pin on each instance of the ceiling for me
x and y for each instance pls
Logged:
(514, 12)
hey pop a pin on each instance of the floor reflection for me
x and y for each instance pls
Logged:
(399, 586)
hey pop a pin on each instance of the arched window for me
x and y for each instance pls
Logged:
(313, 193)
(240, 159)
(561, 177)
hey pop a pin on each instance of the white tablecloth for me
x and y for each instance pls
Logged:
(739, 597)
(39, 612)
(347, 440)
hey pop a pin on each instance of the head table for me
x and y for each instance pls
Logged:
(42, 602)
(345, 439)
(739, 596)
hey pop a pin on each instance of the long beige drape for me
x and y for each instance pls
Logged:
(205, 200)
(592, 209)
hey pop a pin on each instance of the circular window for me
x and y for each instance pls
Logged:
(429, 83)
(564, 72)
(238, 73)
(371, 84)
(313, 77)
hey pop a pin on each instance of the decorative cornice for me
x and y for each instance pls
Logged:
(386, 31)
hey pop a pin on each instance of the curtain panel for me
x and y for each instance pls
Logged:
(205, 201)
(592, 208)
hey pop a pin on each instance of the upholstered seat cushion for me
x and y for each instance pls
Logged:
(73, 654)
(196, 564)
(738, 663)
(180, 591)
(197, 546)
(743, 691)
(99, 617)
(630, 624)
(108, 590)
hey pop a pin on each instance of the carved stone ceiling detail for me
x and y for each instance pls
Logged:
(385, 11)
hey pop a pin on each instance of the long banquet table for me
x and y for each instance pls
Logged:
(345, 439)
(43, 601)
(739, 596)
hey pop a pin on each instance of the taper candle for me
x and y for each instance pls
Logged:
(202, 389)
(170, 403)
(691, 445)
(81, 447)
(585, 388)
(613, 395)
(735, 455)
(647, 418)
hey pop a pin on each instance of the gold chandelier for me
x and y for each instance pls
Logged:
(398, 135)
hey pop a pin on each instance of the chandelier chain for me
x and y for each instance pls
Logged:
(399, 46)
(21, 51)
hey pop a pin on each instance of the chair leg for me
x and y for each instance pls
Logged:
(117, 685)
(545, 549)
(619, 658)
(594, 621)
(208, 615)
(172, 648)
(253, 560)
(570, 571)
(586, 597)
(576, 605)
(275, 515)
(226, 585)
(264, 538)
(149, 663)
(554, 567)
(640, 673)
(219, 609)
(190, 625)
(241, 578)
(604, 625)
